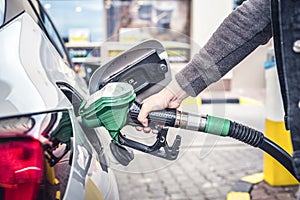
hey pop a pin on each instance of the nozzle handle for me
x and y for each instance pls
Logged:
(166, 117)
(168, 152)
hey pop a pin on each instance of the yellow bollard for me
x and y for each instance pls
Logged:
(274, 173)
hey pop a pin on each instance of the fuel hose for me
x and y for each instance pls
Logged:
(255, 138)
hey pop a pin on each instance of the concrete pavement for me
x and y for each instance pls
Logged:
(193, 177)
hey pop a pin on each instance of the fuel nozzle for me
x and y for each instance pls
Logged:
(113, 107)
(108, 107)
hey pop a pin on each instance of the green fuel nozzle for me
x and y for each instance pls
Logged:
(108, 107)
(113, 107)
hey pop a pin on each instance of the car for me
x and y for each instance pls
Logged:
(46, 152)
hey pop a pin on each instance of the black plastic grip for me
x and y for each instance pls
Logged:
(165, 117)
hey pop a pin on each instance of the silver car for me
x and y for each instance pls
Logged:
(46, 153)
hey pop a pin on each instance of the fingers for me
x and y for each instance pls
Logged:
(158, 101)
(146, 129)
(139, 128)
(149, 104)
(154, 131)
(142, 117)
(170, 97)
(154, 102)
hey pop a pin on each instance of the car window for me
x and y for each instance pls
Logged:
(47, 25)
(55, 37)
(51, 31)
(71, 17)
(2, 11)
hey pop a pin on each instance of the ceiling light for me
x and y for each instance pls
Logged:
(78, 9)
(47, 6)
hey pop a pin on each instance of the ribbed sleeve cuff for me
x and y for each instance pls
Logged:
(190, 80)
(175, 88)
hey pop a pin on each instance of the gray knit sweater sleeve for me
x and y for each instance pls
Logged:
(240, 33)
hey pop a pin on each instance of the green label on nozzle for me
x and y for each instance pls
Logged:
(217, 126)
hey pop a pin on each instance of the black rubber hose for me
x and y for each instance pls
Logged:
(279, 154)
(257, 139)
(245, 134)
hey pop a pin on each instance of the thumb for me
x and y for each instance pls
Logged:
(142, 117)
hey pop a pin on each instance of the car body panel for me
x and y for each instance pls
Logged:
(30, 68)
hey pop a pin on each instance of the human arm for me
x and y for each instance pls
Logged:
(240, 33)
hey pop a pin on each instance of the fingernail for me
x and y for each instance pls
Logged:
(139, 128)
(147, 129)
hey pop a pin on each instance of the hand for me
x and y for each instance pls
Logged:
(170, 97)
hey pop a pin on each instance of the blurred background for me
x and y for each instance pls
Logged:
(97, 30)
